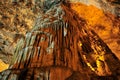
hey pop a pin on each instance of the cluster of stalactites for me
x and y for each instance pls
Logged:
(56, 41)
(36, 44)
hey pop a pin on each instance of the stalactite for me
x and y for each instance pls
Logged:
(60, 49)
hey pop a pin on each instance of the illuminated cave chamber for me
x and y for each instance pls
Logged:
(61, 47)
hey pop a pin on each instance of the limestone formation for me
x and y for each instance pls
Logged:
(61, 47)
(17, 17)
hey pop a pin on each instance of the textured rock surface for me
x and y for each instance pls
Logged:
(3, 66)
(17, 17)
(15, 21)
(112, 6)
(106, 25)
(61, 43)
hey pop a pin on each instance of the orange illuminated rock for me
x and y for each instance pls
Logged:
(3, 66)
(105, 24)
(61, 46)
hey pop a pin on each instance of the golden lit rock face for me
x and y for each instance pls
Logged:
(90, 13)
(106, 25)
(3, 66)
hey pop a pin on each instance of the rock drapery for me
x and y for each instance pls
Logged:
(17, 17)
(61, 47)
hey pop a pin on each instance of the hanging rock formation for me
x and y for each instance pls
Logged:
(18, 16)
(61, 47)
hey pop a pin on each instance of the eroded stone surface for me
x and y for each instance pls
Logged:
(17, 17)
(62, 47)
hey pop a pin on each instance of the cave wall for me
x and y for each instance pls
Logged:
(17, 17)
(112, 6)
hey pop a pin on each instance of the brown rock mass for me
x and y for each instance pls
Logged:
(62, 47)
